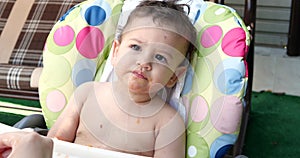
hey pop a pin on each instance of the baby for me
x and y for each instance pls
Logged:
(127, 115)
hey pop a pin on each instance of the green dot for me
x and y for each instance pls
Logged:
(56, 71)
(116, 11)
(217, 13)
(197, 146)
(203, 74)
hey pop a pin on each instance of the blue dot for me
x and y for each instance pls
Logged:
(188, 83)
(83, 76)
(95, 15)
(230, 81)
(83, 71)
(223, 151)
(197, 16)
(221, 145)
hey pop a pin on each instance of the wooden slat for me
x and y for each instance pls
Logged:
(274, 3)
(277, 40)
(269, 13)
(272, 26)
(272, 20)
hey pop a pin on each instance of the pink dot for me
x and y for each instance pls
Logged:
(226, 114)
(234, 43)
(55, 101)
(211, 36)
(199, 109)
(89, 42)
(63, 36)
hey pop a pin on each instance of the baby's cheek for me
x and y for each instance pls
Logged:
(167, 74)
(155, 87)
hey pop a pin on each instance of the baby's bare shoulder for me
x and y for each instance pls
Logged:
(168, 110)
(168, 114)
(86, 89)
(88, 86)
(171, 126)
(94, 84)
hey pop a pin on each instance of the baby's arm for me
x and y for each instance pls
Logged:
(66, 125)
(171, 139)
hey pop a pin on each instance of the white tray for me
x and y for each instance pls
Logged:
(70, 150)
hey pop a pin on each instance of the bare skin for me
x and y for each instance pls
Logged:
(127, 115)
(151, 136)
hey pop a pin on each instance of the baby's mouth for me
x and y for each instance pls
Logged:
(139, 75)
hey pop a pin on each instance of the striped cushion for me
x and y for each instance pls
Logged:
(27, 53)
(15, 77)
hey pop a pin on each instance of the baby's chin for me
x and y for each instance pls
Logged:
(143, 86)
(138, 85)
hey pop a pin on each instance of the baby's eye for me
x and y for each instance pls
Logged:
(161, 58)
(135, 47)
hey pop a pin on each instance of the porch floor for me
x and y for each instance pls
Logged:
(275, 71)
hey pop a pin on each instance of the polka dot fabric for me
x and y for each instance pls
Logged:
(74, 51)
(216, 82)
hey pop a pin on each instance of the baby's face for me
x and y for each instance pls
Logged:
(148, 59)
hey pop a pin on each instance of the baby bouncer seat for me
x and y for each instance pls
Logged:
(212, 93)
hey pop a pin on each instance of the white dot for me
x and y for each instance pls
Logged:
(220, 11)
(192, 151)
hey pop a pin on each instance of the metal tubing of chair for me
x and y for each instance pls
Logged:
(219, 1)
(293, 48)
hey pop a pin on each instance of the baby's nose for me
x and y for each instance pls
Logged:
(145, 61)
(145, 65)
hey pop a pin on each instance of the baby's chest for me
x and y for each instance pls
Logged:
(130, 136)
(117, 131)
(112, 126)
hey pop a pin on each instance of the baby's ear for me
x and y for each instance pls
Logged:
(176, 75)
(115, 49)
